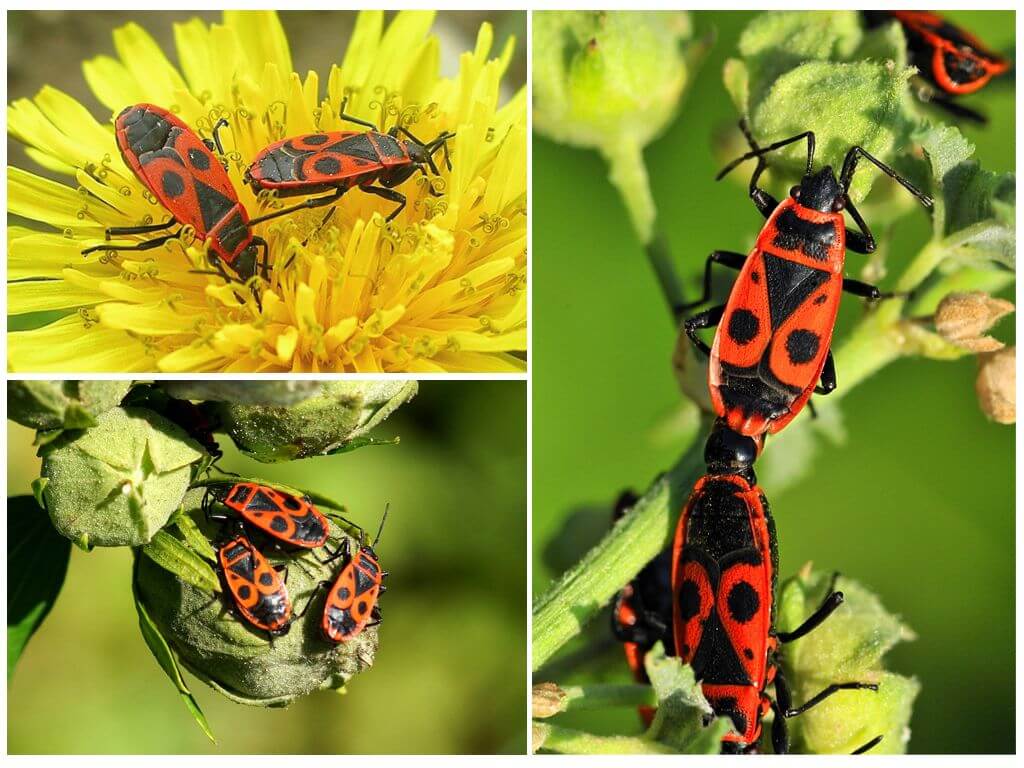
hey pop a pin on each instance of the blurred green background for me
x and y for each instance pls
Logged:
(918, 504)
(449, 675)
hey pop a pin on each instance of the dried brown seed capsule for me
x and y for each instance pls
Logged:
(964, 318)
(996, 385)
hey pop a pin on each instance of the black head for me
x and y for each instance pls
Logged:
(728, 452)
(820, 191)
(245, 263)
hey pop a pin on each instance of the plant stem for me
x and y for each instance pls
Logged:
(554, 738)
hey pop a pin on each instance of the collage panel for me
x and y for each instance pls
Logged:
(807, 499)
(224, 558)
(309, 191)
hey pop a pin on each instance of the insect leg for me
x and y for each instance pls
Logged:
(140, 230)
(145, 246)
(850, 167)
(867, 747)
(315, 202)
(762, 200)
(756, 153)
(387, 194)
(729, 259)
(356, 120)
(707, 319)
(832, 601)
(826, 693)
(828, 376)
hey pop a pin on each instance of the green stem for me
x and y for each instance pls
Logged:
(554, 738)
(628, 174)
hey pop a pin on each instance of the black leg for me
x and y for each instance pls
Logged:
(309, 601)
(863, 241)
(850, 166)
(707, 319)
(828, 376)
(315, 202)
(729, 259)
(957, 110)
(145, 246)
(387, 194)
(143, 229)
(867, 747)
(780, 731)
(832, 601)
(826, 693)
(356, 120)
(342, 551)
(762, 200)
(756, 153)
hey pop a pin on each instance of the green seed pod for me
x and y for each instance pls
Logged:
(847, 647)
(46, 405)
(612, 81)
(243, 392)
(117, 483)
(239, 660)
(336, 419)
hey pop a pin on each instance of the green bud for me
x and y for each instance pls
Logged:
(238, 660)
(336, 419)
(117, 483)
(847, 647)
(243, 392)
(48, 405)
(612, 81)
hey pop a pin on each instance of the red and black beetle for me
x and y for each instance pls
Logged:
(283, 517)
(182, 172)
(772, 346)
(724, 564)
(340, 160)
(949, 58)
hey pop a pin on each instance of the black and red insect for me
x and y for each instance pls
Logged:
(337, 161)
(772, 345)
(723, 576)
(955, 62)
(642, 611)
(182, 172)
(351, 603)
(256, 588)
(287, 519)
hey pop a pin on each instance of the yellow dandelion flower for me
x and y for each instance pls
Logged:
(439, 288)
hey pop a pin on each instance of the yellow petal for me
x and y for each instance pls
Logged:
(265, 35)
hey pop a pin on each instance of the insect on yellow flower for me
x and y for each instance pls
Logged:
(439, 288)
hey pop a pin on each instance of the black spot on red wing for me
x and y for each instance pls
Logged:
(743, 326)
(727, 706)
(361, 607)
(755, 277)
(199, 159)
(363, 582)
(262, 501)
(172, 184)
(316, 138)
(820, 300)
(343, 594)
(802, 346)
(715, 660)
(689, 599)
(789, 285)
(213, 205)
(266, 579)
(278, 523)
(291, 502)
(748, 653)
(743, 602)
(239, 494)
(328, 166)
(244, 591)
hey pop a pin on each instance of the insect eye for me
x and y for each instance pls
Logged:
(839, 204)
(794, 192)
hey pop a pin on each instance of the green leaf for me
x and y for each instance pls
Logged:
(194, 537)
(56, 405)
(37, 561)
(362, 442)
(172, 554)
(162, 653)
(682, 707)
(281, 393)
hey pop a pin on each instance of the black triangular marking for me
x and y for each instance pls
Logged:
(260, 502)
(363, 582)
(212, 204)
(789, 285)
(715, 661)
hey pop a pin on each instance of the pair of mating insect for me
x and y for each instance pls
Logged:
(258, 592)
(181, 170)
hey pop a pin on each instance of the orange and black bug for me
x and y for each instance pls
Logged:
(257, 590)
(283, 517)
(351, 603)
(772, 344)
(642, 611)
(340, 160)
(951, 59)
(182, 172)
(724, 564)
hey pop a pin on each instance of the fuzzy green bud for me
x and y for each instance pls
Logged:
(118, 482)
(47, 405)
(336, 419)
(245, 393)
(239, 660)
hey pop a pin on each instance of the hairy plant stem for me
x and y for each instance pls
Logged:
(638, 537)
(554, 738)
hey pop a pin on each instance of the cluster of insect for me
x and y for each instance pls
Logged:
(257, 591)
(709, 597)
(182, 171)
